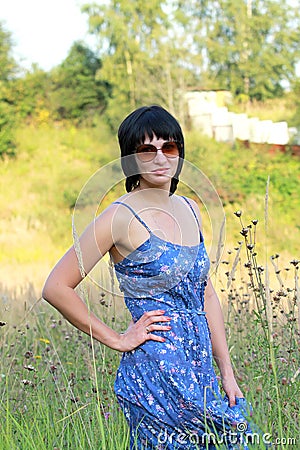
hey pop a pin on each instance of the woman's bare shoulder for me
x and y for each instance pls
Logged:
(190, 200)
(115, 216)
(193, 204)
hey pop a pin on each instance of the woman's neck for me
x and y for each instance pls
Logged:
(154, 195)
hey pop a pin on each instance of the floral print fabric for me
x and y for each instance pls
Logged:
(169, 391)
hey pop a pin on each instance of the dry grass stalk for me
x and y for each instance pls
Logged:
(269, 313)
(220, 244)
(234, 266)
(297, 294)
(77, 249)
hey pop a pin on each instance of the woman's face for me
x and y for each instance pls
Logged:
(157, 168)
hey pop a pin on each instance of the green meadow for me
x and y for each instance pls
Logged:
(56, 384)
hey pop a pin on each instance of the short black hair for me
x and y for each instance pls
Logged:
(147, 121)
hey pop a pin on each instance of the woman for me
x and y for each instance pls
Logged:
(166, 383)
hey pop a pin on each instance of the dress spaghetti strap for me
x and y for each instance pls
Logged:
(135, 215)
(195, 215)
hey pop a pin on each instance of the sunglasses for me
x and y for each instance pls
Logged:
(147, 152)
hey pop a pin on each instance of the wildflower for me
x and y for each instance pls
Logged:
(46, 341)
(30, 368)
(244, 231)
(250, 247)
(281, 293)
(2, 324)
(238, 213)
(295, 262)
(27, 382)
(275, 256)
(283, 360)
(255, 221)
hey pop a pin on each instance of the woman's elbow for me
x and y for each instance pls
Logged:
(49, 290)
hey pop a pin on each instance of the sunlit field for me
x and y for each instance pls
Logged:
(57, 384)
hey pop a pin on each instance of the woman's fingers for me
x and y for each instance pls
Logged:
(144, 330)
(155, 337)
(152, 321)
(155, 327)
(154, 316)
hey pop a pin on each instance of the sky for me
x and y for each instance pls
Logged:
(43, 31)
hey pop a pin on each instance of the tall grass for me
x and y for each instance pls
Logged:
(56, 384)
(264, 334)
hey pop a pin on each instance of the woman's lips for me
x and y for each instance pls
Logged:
(161, 171)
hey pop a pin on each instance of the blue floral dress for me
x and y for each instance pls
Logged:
(169, 391)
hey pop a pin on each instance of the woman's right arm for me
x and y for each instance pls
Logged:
(59, 290)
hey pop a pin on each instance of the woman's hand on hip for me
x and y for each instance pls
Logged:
(143, 330)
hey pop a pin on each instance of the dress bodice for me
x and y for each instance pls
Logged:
(163, 275)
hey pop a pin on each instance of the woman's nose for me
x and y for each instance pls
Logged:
(159, 155)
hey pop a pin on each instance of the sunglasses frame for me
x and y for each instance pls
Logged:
(178, 145)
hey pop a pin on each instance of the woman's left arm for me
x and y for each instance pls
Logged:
(215, 320)
(218, 336)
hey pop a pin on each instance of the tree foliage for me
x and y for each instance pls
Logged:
(252, 46)
(76, 91)
(140, 57)
(30, 93)
(7, 117)
(155, 51)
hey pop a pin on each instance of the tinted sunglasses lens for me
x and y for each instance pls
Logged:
(147, 152)
(170, 149)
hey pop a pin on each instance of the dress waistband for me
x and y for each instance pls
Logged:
(189, 311)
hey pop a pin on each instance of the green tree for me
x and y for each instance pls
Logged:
(251, 46)
(77, 93)
(7, 117)
(30, 93)
(295, 97)
(142, 55)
